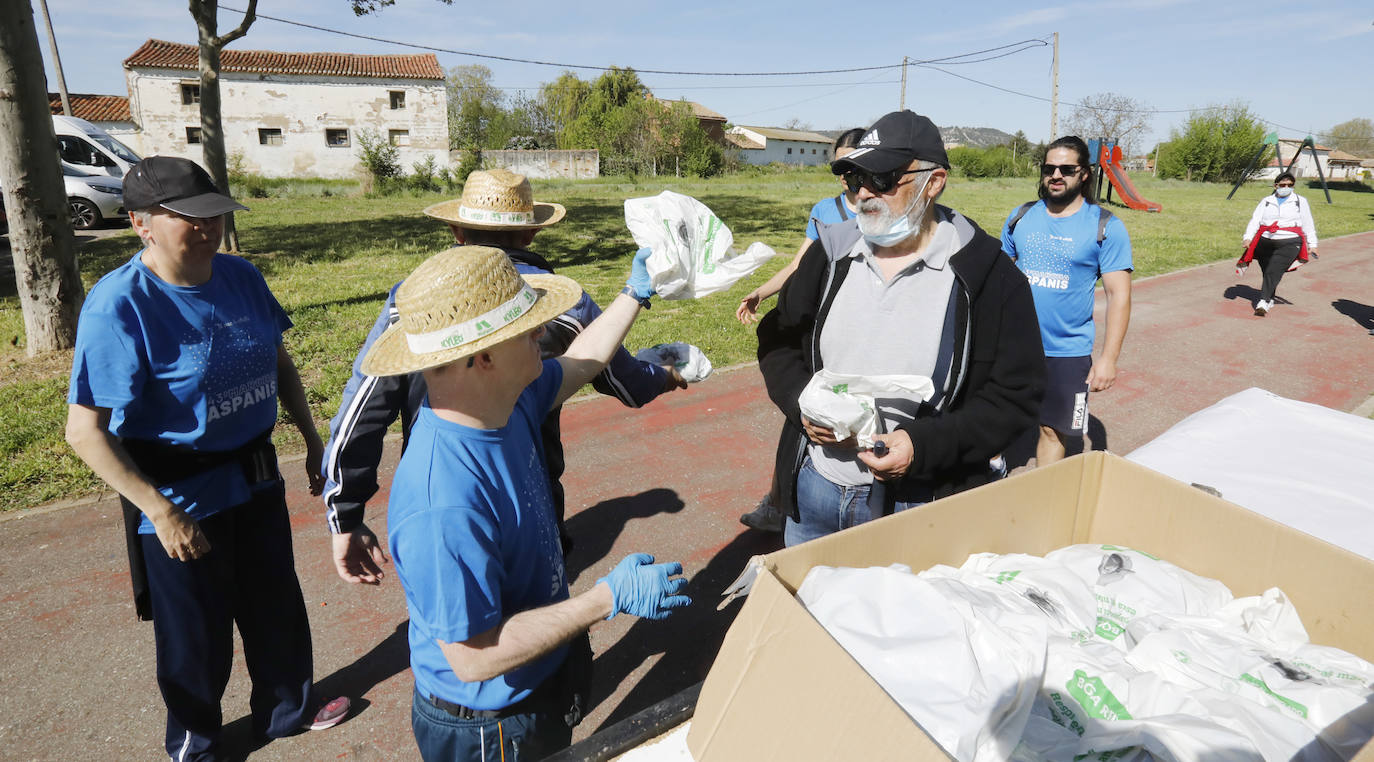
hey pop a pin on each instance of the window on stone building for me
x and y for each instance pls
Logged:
(336, 137)
(190, 93)
(789, 152)
(192, 135)
(398, 99)
(398, 137)
(269, 136)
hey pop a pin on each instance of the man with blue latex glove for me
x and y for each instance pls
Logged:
(498, 647)
(645, 589)
(640, 286)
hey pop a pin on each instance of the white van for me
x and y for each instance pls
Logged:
(91, 149)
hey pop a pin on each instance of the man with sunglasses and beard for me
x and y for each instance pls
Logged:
(907, 287)
(1063, 243)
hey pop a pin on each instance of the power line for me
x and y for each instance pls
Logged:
(536, 62)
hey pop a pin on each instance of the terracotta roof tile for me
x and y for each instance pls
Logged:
(93, 108)
(698, 110)
(160, 54)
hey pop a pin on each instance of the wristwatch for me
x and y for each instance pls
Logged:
(643, 300)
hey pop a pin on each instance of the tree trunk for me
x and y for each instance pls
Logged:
(45, 272)
(206, 15)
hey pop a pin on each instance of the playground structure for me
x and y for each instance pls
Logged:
(1272, 139)
(1108, 156)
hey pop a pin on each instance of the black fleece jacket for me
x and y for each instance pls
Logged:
(998, 375)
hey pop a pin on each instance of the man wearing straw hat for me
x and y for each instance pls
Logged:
(497, 209)
(498, 648)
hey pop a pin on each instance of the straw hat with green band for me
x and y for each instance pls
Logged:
(461, 301)
(497, 199)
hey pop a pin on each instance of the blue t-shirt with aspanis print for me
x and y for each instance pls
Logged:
(471, 528)
(1062, 261)
(183, 365)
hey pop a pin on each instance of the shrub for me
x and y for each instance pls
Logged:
(380, 160)
(423, 179)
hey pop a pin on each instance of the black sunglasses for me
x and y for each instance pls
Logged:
(1064, 169)
(878, 182)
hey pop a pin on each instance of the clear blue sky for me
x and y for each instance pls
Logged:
(1303, 66)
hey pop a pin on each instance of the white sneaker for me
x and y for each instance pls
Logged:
(1262, 308)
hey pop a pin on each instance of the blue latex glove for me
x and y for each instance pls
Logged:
(645, 589)
(638, 283)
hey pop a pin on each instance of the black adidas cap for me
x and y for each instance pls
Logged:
(892, 142)
(176, 184)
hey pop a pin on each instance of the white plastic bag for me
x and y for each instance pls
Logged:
(692, 256)
(690, 361)
(1130, 583)
(846, 403)
(963, 666)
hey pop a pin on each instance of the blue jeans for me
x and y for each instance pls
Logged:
(441, 736)
(826, 507)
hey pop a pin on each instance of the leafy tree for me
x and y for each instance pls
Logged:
(1112, 116)
(1215, 145)
(45, 270)
(476, 111)
(364, 7)
(1354, 137)
(560, 101)
(683, 145)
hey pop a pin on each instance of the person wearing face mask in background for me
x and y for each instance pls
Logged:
(766, 517)
(907, 287)
(1281, 236)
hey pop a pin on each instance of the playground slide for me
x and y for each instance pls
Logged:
(1125, 189)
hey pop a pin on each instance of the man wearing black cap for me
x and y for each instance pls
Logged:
(177, 370)
(908, 287)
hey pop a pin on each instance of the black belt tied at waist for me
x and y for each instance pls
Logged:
(165, 463)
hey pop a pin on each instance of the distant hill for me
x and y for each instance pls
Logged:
(977, 137)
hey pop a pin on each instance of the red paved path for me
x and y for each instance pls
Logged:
(670, 479)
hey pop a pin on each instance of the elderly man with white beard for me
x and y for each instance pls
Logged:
(908, 287)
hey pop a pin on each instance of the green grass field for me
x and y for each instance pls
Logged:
(331, 259)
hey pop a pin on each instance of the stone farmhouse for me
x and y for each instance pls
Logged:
(765, 145)
(289, 114)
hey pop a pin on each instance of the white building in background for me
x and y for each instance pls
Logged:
(290, 114)
(765, 145)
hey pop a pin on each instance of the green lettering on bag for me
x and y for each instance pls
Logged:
(713, 226)
(1095, 698)
(840, 388)
(1108, 629)
(1005, 576)
(1292, 705)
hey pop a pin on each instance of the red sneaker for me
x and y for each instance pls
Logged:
(330, 714)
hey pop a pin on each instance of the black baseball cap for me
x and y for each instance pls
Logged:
(176, 184)
(892, 142)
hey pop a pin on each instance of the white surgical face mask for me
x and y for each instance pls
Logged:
(897, 230)
(1283, 192)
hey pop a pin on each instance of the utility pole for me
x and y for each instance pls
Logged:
(56, 60)
(1054, 92)
(901, 106)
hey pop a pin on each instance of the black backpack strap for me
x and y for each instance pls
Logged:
(1104, 215)
(1020, 212)
(839, 207)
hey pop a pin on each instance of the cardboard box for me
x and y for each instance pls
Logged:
(781, 688)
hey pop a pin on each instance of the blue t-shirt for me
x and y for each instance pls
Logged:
(1062, 261)
(828, 212)
(183, 365)
(472, 534)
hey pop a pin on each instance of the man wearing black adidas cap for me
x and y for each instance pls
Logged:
(177, 371)
(908, 287)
